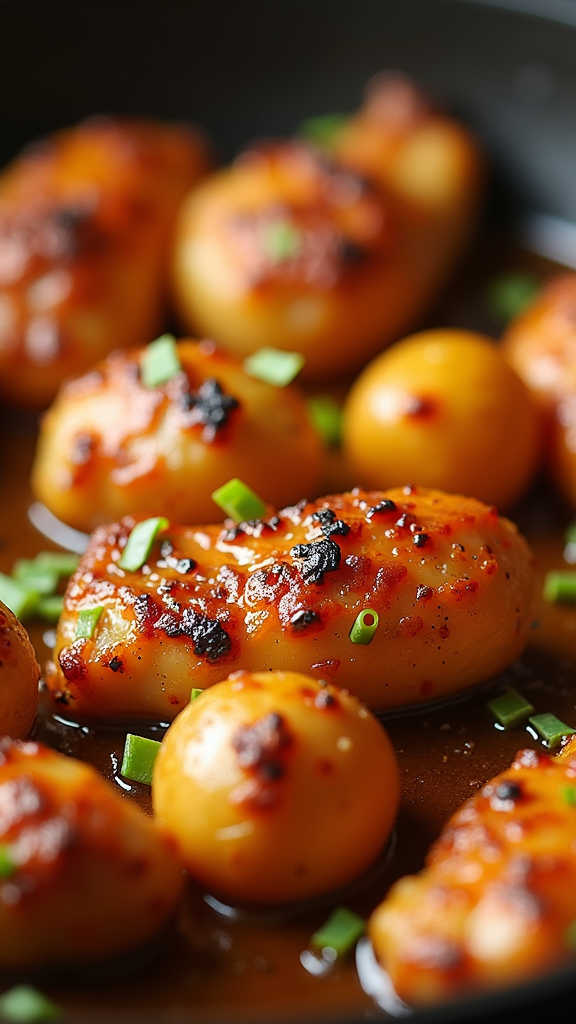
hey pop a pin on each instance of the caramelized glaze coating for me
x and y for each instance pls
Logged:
(278, 788)
(451, 581)
(497, 898)
(19, 676)
(110, 446)
(90, 877)
(85, 224)
(443, 407)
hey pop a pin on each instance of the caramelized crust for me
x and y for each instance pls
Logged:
(496, 903)
(19, 676)
(450, 580)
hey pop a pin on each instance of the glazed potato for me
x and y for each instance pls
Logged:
(450, 581)
(19, 676)
(110, 445)
(540, 344)
(85, 224)
(444, 409)
(497, 898)
(87, 876)
(277, 787)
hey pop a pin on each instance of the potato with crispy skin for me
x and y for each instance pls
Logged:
(496, 903)
(19, 677)
(111, 444)
(277, 787)
(85, 223)
(450, 581)
(86, 876)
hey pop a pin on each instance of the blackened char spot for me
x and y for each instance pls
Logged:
(330, 524)
(318, 558)
(259, 746)
(385, 507)
(508, 790)
(209, 636)
(303, 618)
(209, 406)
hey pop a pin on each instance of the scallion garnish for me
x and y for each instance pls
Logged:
(510, 293)
(274, 365)
(160, 361)
(281, 240)
(87, 621)
(18, 596)
(365, 626)
(238, 501)
(7, 862)
(25, 1005)
(322, 130)
(510, 708)
(326, 415)
(30, 590)
(63, 563)
(50, 607)
(43, 579)
(340, 932)
(569, 795)
(550, 728)
(139, 756)
(195, 693)
(560, 587)
(139, 543)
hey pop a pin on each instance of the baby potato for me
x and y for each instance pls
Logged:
(85, 223)
(19, 676)
(111, 445)
(451, 583)
(86, 875)
(277, 787)
(443, 409)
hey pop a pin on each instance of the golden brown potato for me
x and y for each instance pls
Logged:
(85, 224)
(19, 676)
(450, 581)
(110, 445)
(86, 875)
(277, 787)
(496, 903)
(444, 409)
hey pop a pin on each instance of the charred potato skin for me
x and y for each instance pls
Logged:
(498, 894)
(110, 446)
(451, 581)
(279, 788)
(19, 677)
(93, 877)
(85, 225)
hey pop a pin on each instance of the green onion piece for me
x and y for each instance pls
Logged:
(340, 932)
(510, 293)
(195, 693)
(139, 543)
(364, 627)
(274, 366)
(160, 361)
(63, 563)
(570, 935)
(569, 795)
(550, 728)
(20, 598)
(87, 620)
(25, 1005)
(42, 579)
(281, 240)
(322, 130)
(139, 757)
(326, 415)
(510, 708)
(50, 607)
(560, 587)
(238, 501)
(7, 864)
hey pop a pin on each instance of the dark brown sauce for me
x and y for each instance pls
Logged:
(222, 964)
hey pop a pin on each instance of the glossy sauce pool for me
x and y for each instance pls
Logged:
(222, 964)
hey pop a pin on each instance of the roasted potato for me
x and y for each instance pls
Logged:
(111, 445)
(450, 581)
(277, 787)
(19, 677)
(85, 224)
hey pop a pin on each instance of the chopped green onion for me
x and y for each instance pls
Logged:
(50, 607)
(139, 757)
(364, 627)
(7, 863)
(19, 598)
(326, 415)
(510, 293)
(64, 563)
(87, 621)
(195, 693)
(274, 366)
(550, 728)
(25, 1005)
(281, 240)
(569, 795)
(510, 708)
(560, 587)
(42, 579)
(139, 543)
(570, 935)
(322, 130)
(340, 932)
(238, 501)
(160, 361)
